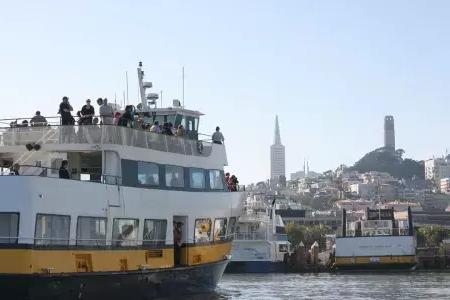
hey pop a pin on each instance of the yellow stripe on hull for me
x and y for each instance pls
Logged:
(380, 260)
(31, 261)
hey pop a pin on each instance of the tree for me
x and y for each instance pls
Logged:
(431, 235)
(307, 234)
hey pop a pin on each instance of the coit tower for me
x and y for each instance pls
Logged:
(277, 155)
(389, 133)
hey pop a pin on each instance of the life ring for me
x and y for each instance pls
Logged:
(200, 147)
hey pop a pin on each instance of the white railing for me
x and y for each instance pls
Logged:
(251, 236)
(103, 134)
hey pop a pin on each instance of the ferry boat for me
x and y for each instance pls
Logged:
(260, 244)
(143, 215)
(380, 242)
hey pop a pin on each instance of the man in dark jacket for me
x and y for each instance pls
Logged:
(63, 172)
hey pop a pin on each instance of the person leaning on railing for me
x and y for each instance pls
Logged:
(106, 112)
(63, 172)
(217, 136)
(38, 120)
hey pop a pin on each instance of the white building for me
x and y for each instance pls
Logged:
(277, 156)
(437, 169)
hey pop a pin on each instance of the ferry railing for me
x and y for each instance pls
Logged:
(375, 232)
(55, 241)
(53, 133)
(250, 236)
(29, 170)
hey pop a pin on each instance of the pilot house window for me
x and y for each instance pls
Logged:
(52, 230)
(155, 232)
(9, 228)
(125, 232)
(91, 231)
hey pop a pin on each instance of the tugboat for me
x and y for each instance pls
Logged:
(380, 242)
(143, 214)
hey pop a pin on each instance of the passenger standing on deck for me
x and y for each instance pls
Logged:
(155, 128)
(38, 120)
(64, 110)
(106, 113)
(15, 170)
(87, 113)
(63, 172)
(227, 181)
(180, 131)
(177, 236)
(217, 136)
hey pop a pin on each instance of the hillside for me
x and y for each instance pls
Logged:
(383, 160)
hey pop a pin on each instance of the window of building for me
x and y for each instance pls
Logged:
(52, 230)
(232, 226)
(91, 231)
(125, 232)
(148, 173)
(220, 229)
(9, 228)
(197, 178)
(202, 232)
(215, 180)
(174, 176)
(155, 232)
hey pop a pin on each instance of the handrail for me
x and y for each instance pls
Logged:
(111, 241)
(42, 171)
(103, 135)
(56, 121)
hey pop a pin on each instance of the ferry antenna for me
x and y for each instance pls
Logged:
(126, 78)
(182, 71)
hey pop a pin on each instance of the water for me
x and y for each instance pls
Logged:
(418, 285)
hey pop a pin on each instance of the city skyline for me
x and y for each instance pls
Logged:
(330, 70)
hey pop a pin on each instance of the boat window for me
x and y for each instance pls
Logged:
(125, 232)
(160, 119)
(91, 231)
(197, 178)
(52, 230)
(202, 232)
(174, 176)
(171, 119)
(232, 226)
(282, 248)
(215, 180)
(9, 228)
(220, 229)
(148, 173)
(155, 232)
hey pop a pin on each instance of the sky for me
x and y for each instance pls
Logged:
(331, 70)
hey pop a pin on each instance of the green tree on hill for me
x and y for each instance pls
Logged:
(392, 162)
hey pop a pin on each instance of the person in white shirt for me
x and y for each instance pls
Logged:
(106, 113)
(217, 136)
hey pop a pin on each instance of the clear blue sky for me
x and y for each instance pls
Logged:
(331, 69)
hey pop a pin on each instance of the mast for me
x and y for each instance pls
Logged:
(141, 84)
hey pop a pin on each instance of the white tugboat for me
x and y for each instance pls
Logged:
(143, 215)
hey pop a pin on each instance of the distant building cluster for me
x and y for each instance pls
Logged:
(313, 198)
